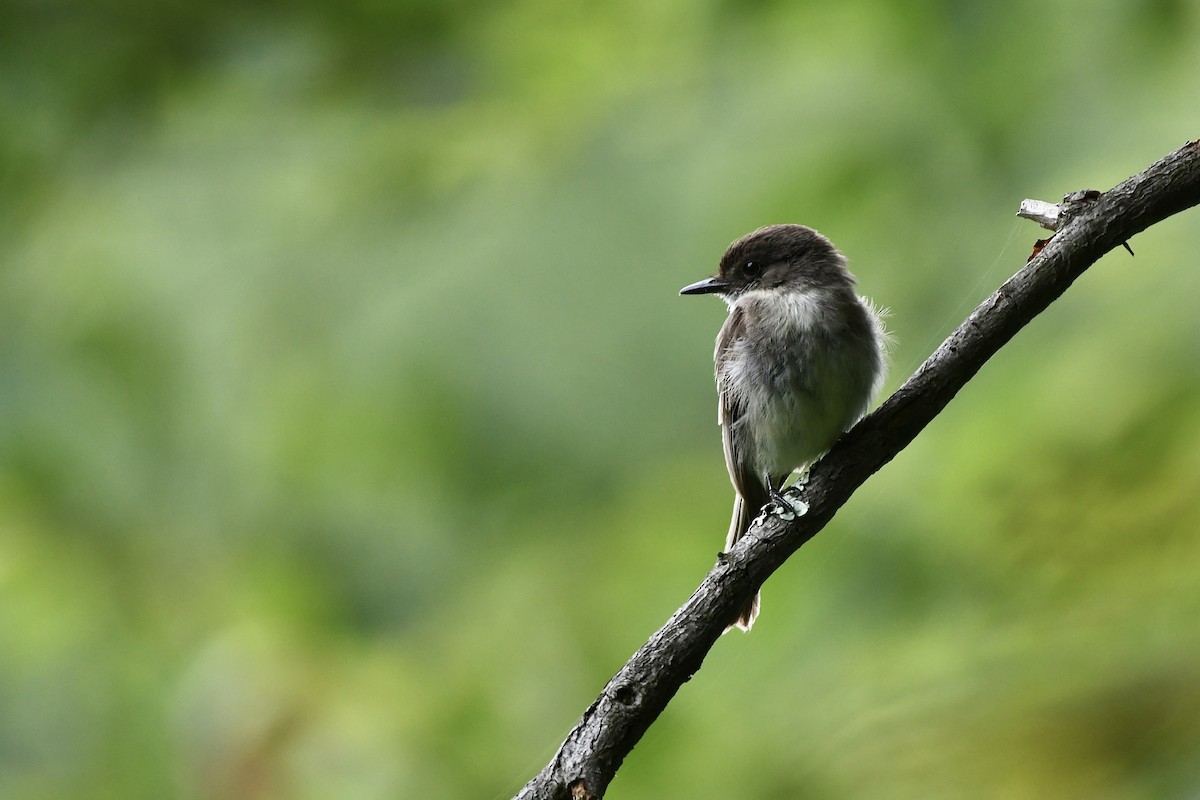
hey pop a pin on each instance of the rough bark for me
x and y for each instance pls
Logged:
(1088, 224)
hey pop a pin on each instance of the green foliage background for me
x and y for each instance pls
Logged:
(352, 433)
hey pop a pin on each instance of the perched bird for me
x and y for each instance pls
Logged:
(798, 361)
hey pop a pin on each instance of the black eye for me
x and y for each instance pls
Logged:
(752, 269)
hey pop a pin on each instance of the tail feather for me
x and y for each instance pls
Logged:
(743, 514)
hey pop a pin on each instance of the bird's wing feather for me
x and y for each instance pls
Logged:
(730, 409)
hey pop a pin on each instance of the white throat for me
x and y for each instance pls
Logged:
(783, 311)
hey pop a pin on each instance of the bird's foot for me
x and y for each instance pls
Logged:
(789, 504)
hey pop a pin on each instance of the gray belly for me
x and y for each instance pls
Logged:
(799, 411)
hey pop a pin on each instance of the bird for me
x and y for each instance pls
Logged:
(798, 361)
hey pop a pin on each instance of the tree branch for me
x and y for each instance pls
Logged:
(1088, 225)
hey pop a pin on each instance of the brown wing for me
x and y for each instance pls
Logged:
(730, 408)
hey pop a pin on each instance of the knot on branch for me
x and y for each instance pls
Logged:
(625, 694)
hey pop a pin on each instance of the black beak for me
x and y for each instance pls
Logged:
(706, 286)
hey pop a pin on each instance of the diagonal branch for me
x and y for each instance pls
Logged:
(1088, 225)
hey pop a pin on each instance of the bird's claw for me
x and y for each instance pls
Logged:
(789, 504)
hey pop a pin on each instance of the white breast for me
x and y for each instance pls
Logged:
(800, 376)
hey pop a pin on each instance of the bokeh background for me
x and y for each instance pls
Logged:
(352, 433)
